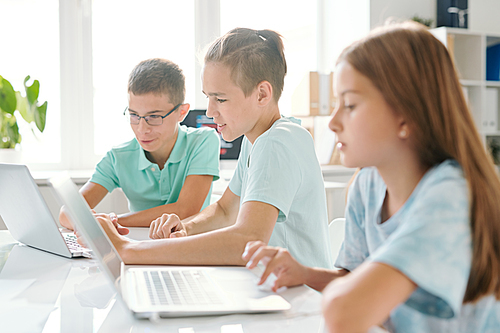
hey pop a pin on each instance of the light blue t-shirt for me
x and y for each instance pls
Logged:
(428, 240)
(281, 169)
(196, 152)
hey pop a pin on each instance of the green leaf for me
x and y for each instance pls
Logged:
(32, 91)
(13, 133)
(24, 108)
(41, 116)
(7, 97)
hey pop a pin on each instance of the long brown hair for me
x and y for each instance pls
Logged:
(252, 56)
(414, 72)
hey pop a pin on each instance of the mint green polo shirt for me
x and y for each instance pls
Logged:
(196, 152)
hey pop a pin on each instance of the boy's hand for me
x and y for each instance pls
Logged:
(167, 226)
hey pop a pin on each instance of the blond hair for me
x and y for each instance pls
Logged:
(160, 77)
(252, 56)
(415, 74)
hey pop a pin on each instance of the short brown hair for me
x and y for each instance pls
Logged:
(158, 76)
(252, 56)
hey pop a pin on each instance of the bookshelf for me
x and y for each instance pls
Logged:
(471, 52)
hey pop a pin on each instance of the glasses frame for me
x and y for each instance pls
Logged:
(147, 117)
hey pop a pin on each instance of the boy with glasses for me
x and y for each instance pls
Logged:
(167, 168)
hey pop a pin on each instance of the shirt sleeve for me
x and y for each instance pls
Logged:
(105, 173)
(205, 157)
(354, 249)
(274, 175)
(432, 247)
(236, 181)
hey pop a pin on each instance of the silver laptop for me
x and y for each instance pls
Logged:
(168, 291)
(26, 215)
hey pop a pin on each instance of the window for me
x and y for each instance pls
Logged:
(295, 20)
(30, 46)
(82, 52)
(125, 32)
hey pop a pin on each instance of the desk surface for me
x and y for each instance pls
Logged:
(42, 292)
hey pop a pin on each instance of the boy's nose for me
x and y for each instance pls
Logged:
(143, 126)
(211, 110)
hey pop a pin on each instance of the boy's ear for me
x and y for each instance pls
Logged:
(264, 93)
(183, 111)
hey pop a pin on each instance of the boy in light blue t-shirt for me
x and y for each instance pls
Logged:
(281, 169)
(166, 168)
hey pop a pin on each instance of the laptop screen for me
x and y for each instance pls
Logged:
(82, 218)
(198, 118)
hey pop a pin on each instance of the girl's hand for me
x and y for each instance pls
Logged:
(114, 220)
(289, 272)
(112, 229)
(167, 226)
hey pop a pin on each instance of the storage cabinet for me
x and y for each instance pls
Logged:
(469, 51)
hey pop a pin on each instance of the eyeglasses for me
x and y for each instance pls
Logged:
(153, 120)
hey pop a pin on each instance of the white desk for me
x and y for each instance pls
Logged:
(42, 292)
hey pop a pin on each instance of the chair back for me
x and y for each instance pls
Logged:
(336, 229)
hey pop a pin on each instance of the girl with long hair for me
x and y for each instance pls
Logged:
(422, 245)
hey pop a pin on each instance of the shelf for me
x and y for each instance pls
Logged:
(454, 31)
(492, 40)
(471, 83)
(493, 84)
(469, 52)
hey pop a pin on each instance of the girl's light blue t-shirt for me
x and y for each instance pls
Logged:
(281, 169)
(428, 240)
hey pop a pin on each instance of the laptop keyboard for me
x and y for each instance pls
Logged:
(183, 287)
(72, 243)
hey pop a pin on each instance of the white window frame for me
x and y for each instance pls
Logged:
(77, 128)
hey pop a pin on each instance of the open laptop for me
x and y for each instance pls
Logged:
(26, 215)
(167, 291)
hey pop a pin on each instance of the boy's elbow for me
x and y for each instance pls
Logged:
(185, 213)
(185, 210)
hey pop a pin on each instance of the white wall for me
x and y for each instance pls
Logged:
(351, 20)
(484, 16)
(381, 10)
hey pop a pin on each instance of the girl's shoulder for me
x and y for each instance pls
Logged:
(444, 177)
(368, 177)
(448, 170)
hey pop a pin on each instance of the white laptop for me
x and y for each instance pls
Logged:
(26, 215)
(168, 291)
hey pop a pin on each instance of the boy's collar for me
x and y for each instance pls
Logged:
(177, 154)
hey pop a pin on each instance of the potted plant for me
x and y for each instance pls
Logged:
(27, 106)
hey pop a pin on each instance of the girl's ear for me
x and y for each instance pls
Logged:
(264, 93)
(404, 130)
